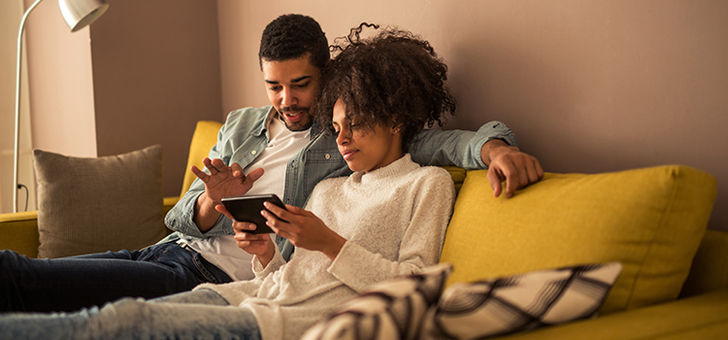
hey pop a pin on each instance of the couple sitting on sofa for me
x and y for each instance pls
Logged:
(377, 94)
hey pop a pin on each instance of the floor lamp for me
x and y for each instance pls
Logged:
(77, 14)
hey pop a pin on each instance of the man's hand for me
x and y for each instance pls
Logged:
(508, 163)
(259, 245)
(223, 181)
(303, 229)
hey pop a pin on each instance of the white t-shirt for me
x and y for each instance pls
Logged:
(283, 144)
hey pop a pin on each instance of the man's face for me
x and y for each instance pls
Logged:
(291, 86)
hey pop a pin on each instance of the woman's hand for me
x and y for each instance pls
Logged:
(303, 229)
(259, 245)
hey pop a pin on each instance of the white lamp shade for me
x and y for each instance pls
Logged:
(79, 13)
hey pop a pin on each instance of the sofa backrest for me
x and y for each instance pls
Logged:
(651, 220)
(203, 139)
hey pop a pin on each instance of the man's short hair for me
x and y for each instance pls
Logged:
(291, 36)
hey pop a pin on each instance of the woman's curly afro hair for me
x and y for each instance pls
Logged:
(393, 78)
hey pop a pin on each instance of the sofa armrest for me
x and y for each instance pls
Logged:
(709, 270)
(19, 232)
(700, 317)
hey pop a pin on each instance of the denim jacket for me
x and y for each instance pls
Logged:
(244, 136)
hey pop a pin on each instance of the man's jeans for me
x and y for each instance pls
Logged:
(70, 283)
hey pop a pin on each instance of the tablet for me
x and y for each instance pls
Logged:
(247, 209)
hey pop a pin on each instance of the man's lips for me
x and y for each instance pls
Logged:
(293, 116)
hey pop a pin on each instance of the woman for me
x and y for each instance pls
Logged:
(388, 218)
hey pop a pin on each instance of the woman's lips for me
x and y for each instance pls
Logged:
(347, 154)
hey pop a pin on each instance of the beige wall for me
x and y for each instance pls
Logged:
(156, 72)
(588, 86)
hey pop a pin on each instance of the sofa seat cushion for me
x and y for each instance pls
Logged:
(88, 205)
(650, 220)
(700, 317)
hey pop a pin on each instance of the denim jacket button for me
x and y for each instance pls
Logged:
(327, 156)
(253, 152)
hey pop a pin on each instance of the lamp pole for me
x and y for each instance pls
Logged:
(17, 101)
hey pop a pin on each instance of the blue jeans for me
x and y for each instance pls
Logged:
(200, 314)
(71, 283)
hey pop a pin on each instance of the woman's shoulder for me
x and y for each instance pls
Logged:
(434, 174)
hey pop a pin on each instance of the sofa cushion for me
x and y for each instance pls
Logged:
(700, 317)
(651, 220)
(90, 205)
(520, 302)
(392, 309)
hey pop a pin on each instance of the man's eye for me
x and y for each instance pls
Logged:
(274, 88)
(300, 86)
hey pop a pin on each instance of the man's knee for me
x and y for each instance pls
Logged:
(10, 261)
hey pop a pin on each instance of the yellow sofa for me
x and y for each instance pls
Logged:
(566, 219)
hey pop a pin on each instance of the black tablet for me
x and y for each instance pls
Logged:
(247, 209)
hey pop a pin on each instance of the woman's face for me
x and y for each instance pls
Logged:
(365, 149)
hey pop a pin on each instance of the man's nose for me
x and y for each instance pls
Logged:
(287, 97)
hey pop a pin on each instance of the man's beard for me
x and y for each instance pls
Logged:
(298, 126)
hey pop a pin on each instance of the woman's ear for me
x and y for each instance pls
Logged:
(397, 129)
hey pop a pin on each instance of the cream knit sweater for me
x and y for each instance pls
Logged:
(394, 219)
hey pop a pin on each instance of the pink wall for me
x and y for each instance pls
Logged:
(59, 92)
(61, 84)
(156, 73)
(588, 86)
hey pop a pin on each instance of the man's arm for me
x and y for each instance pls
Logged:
(194, 214)
(493, 147)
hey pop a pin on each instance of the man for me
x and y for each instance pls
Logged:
(282, 152)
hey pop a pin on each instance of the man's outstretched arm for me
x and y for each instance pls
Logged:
(492, 147)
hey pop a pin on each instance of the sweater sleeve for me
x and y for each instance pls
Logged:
(275, 263)
(420, 246)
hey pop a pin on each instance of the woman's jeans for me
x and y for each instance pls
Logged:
(200, 314)
(71, 283)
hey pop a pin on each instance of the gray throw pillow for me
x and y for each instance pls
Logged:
(88, 205)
